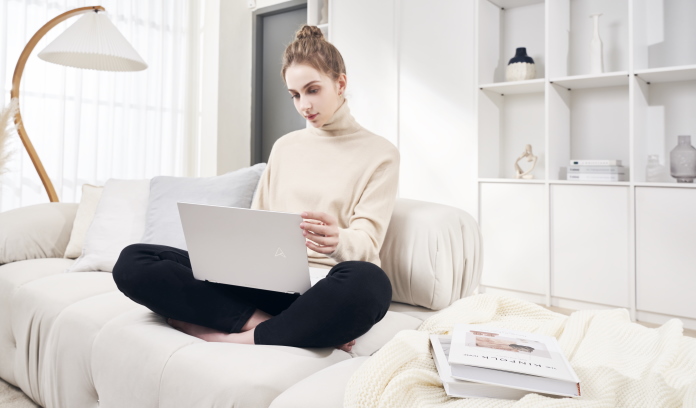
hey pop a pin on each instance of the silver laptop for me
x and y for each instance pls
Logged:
(251, 248)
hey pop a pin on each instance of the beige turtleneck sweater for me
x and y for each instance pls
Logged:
(341, 169)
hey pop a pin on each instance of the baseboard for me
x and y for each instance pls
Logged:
(659, 319)
(649, 318)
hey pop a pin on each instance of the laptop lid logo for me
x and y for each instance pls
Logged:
(279, 252)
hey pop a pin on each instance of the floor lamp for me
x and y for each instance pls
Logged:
(93, 42)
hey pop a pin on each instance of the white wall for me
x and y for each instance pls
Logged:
(437, 125)
(411, 79)
(209, 70)
(226, 82)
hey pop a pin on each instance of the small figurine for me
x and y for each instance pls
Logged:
(530, 158)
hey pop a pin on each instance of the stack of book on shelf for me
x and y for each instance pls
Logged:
(597, 170)
(484, 362)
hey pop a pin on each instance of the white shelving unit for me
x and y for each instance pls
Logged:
(588, 244)
(314, 11)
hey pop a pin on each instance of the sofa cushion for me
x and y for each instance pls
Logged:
(35, 231)
(118, 222)
(383, 331)
(163, 225)
(138, 360)
(34, 308)
(83, 219)
(431, 253)
(67, 365)
(13, 276)
(323, 389)
(129, 355)
(223, 375)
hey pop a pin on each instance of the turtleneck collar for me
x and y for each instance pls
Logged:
(341, 123)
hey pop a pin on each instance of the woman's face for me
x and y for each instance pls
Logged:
(316, 96)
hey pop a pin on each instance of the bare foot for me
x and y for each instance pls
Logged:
(346, 347)
(208, 334)
(212, 335)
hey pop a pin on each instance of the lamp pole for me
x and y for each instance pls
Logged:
(17, 78)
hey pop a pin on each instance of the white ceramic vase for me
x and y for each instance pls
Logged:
(596, 53)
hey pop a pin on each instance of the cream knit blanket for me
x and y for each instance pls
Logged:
(620, 363)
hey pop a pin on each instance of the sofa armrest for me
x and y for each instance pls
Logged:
(432, 254)
(36, 231)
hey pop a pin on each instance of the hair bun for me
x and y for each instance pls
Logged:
(308, 32)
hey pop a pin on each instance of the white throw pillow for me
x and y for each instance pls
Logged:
(118, 222)
(85, 214)
(163, 224)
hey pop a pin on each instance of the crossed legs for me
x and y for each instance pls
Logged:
(343, 306)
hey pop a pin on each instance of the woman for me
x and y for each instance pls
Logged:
(343, 179)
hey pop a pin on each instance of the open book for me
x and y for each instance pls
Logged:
(520, 360)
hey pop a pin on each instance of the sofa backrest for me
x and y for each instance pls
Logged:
(36, 231)
(432, 254)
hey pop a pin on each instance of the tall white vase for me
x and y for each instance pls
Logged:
(596, 53)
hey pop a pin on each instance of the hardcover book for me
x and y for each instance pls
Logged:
(595, 162)
(440, 347)
(597, 177)
(524, 361)
(597, 169)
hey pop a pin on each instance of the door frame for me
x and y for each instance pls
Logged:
(256, 64)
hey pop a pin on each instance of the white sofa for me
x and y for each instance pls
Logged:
(72, 340)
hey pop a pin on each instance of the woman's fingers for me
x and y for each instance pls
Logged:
(320, 249)
(318, 229)
(320, 239)
(315, 222)
(321, 231)
(319, 216)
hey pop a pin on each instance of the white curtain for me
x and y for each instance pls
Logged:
(88, 126)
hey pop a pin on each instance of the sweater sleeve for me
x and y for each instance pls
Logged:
(262, 197)
(362, 239)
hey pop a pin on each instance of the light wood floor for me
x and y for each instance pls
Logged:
(687, 332)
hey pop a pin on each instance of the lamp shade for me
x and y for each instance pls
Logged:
(93, 42)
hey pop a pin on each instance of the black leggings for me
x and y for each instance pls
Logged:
(345, 305)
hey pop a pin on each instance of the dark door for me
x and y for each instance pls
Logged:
(275, 113)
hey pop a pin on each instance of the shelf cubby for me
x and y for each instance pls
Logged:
(663, 33)
(513, 24)
(570, 33)
(662, 112)
(587, 123)
(507, 123)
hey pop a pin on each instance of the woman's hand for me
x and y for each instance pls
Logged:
(321, 231)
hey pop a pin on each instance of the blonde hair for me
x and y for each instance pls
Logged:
(311, 48)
